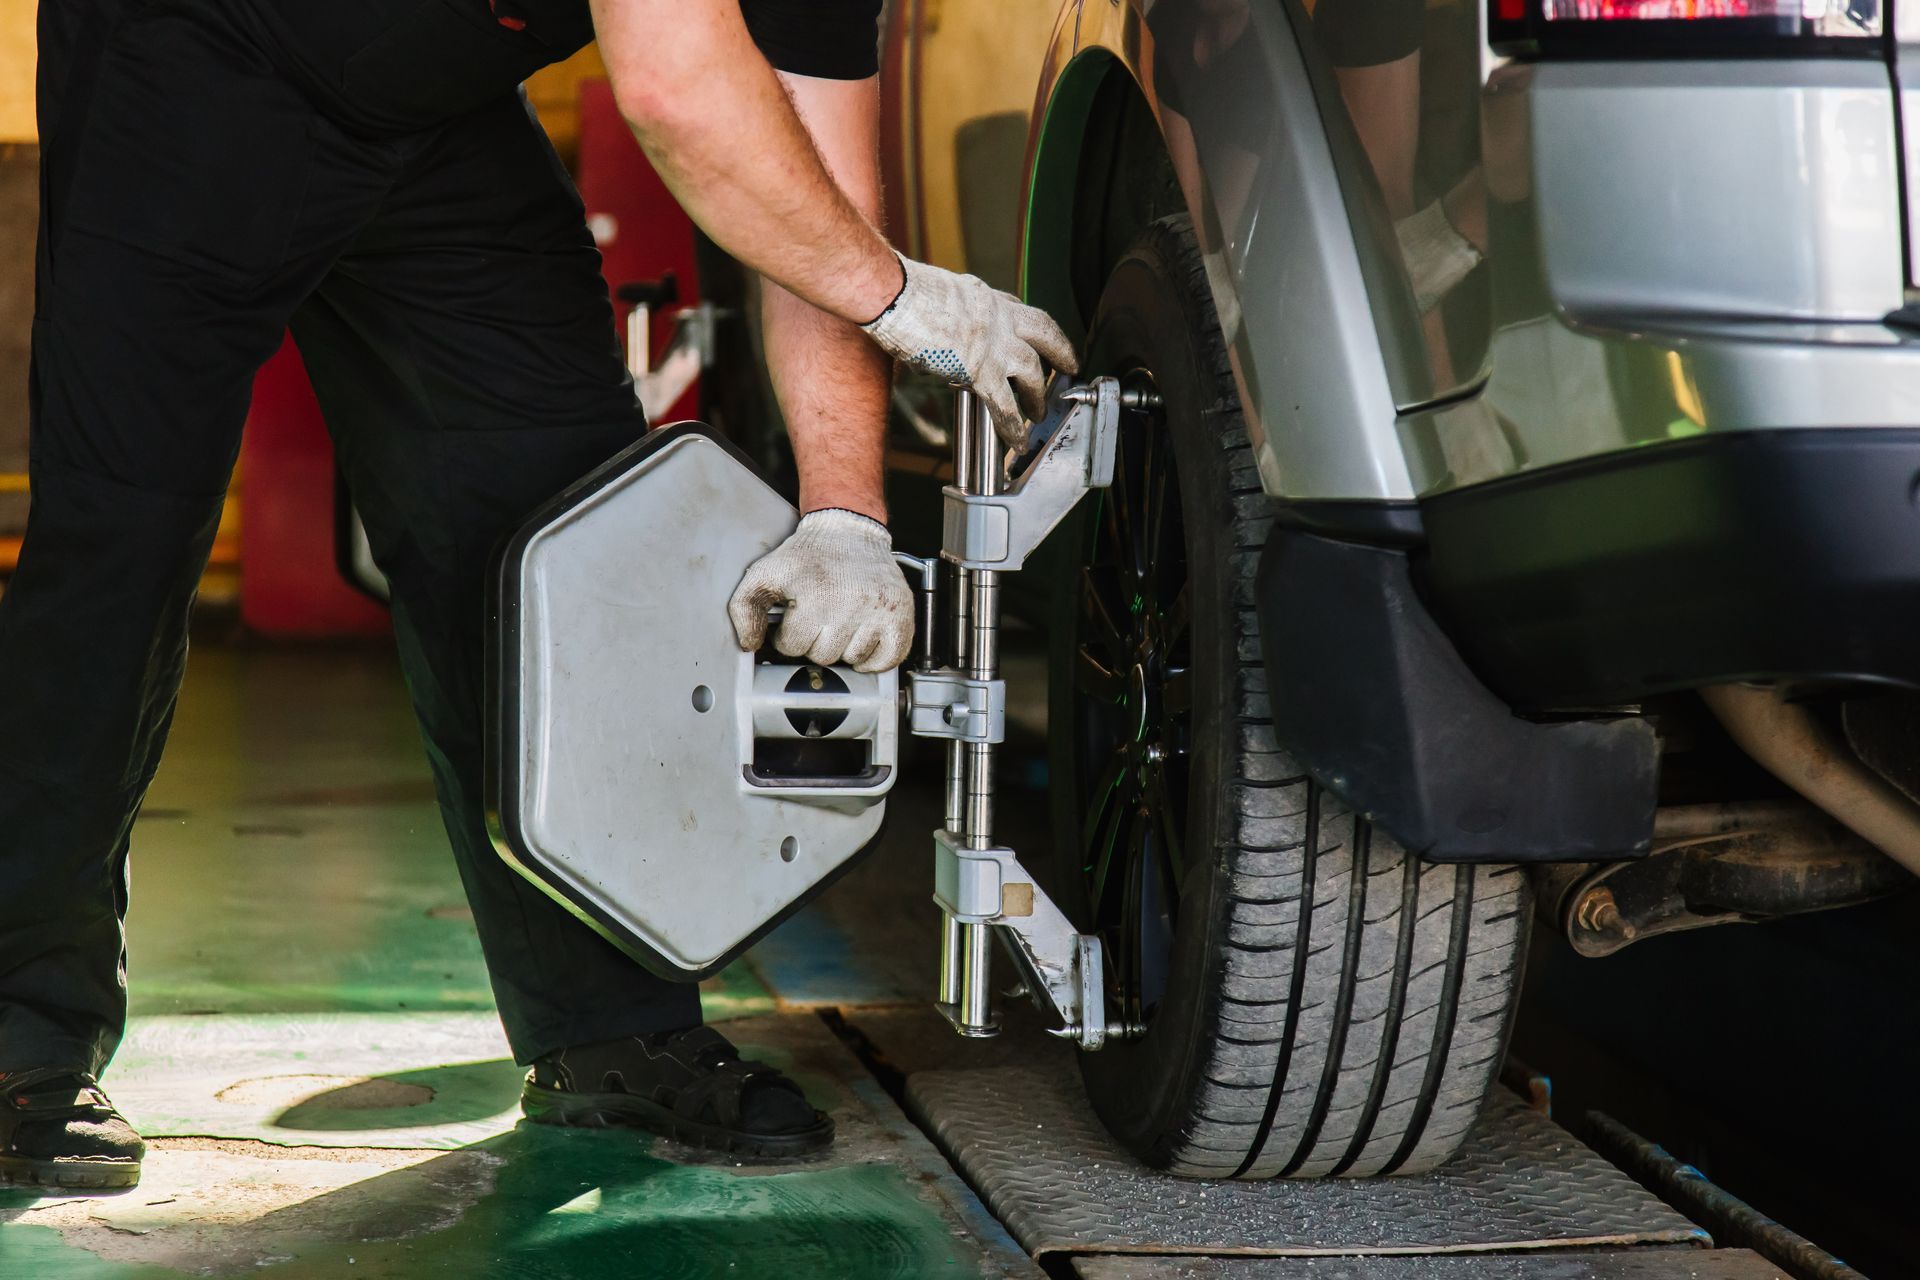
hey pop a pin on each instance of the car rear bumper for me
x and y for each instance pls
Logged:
(1779, 555)
(1398, 650)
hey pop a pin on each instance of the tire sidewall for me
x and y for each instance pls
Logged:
(1150, 317)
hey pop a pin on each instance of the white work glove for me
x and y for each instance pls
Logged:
(1437, 256)
(964, 330)
(845, 597)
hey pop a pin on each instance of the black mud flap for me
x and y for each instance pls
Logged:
(1378, 706)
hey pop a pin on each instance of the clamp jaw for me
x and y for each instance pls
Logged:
(1070, 451)
(993, 521)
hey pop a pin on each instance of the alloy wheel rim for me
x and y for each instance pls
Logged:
(1133, 708)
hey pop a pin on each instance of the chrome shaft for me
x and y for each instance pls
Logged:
(966, 973)
(982, 657)
(952, 959)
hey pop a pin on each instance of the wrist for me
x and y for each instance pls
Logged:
(881, 298)
(860, 493)
(874, 509)
(839, 522)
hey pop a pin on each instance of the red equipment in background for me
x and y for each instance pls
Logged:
(642, 232)
(290, 581)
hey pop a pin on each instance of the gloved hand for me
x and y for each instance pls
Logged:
(964, 330)
(845, 597)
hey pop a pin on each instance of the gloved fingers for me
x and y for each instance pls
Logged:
(1004, 410)
(830, 646)
(867, 640)
(896, 643)
(748, 608)
(1038, 330)
(881, 645)
(799, 631)
(1029, 378)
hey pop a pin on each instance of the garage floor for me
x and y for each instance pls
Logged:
(327, 1093)
(315, 1059)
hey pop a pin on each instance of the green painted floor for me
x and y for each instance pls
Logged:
(314, 1057)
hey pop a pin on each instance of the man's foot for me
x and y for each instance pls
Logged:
(690, 1086)
(57, 1129)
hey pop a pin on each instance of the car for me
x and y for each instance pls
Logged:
(1515, 517)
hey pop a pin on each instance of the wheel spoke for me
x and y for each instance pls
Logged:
(1101, 797)
(1095, 679)
(1109, 843)
(1102, 629)
(1160, 495)
(1146, 505)
(1100, 802)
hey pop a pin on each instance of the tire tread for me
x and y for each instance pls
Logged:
(1363, 996)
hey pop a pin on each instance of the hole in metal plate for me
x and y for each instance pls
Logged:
(789, 849)
(702, 698)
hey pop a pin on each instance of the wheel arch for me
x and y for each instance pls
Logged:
(1084, 177)
(1316, 308)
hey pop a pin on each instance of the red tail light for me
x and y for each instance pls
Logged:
(1668, 10)
(1654, 28)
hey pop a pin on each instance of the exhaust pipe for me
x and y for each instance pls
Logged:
(1790, 743)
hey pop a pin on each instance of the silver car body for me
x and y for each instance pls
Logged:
(1674, 248)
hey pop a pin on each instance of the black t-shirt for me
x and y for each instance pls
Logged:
(833, 39)
(381, 67)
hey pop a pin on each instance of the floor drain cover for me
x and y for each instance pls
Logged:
(326, 1093)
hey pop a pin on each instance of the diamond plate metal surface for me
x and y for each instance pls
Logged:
(1029, 1143)
(1539, 1264)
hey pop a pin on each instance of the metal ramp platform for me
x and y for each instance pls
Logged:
(1524, 1201)
(1613, 1264)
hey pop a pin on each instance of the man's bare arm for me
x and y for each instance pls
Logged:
(711, 114)
(717, 125)
(832, 382)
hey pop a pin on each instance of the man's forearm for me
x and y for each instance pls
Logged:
(832, 382)
(717, 125)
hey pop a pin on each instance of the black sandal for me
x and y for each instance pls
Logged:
(58, 1129)
(691, 1086)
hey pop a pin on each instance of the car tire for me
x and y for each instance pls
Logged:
(1305, 998)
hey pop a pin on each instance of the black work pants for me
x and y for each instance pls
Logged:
(446, 296)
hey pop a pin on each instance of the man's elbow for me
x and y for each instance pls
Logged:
(656, 104)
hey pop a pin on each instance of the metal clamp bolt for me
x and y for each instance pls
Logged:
(944, 704)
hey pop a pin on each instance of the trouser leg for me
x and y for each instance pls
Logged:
(168, 266)
(464, 354)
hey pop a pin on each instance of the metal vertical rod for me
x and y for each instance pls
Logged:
(982, 657)
(976, 981)
(956, 959)
(978, 469)
(963, 479)
(927, 601)
(952, 960)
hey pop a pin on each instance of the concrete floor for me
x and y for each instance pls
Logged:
(315, 1057)
(315, 1060)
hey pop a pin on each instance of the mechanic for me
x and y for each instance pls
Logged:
(367, 173)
